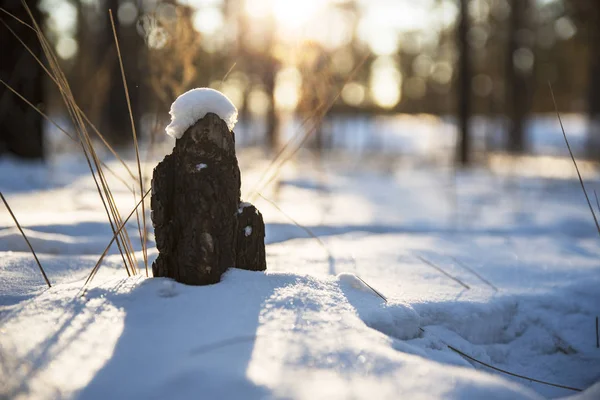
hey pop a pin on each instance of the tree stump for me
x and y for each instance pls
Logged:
(195, 203)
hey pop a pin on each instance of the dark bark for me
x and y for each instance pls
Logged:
(21, 127)
(250, 239)
(195, 208)
(464, 85)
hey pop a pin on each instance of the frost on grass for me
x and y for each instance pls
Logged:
(194, 104)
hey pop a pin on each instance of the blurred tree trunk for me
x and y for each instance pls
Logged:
(464, 85)
(593, 147)
(21, 127)
(270, 73)
(115, 123)
(518, 88)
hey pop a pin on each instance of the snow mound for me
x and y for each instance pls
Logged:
(272, 335)
(194, 104)
(398, 320)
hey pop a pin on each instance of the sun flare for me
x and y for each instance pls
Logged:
(288, 15)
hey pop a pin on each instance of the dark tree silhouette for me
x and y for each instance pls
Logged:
(21, 127)
(519, 84)
(115, 123)
(593, 147)
(270, 68)
(464, 85)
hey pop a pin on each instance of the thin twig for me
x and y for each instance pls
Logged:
(444, 272)
(471, 270)
(574, 162)
(27, 240)
(135, 141)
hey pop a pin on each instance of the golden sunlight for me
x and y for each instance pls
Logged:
(288, 15)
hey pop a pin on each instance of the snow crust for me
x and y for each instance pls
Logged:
(309, 327)
(194, 104)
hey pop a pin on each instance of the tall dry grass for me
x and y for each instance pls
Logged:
(82, 136)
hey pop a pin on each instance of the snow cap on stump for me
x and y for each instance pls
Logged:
(194, 104)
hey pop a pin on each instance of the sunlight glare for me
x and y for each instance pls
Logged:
(208, 20)
(288, 14)
(385, 82)
(287, 88)
(294, 14)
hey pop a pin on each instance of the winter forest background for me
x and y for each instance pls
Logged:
(485, 61)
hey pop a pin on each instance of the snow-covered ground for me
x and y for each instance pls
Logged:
(504, 268)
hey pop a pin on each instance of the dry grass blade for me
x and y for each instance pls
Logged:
(121, 227)
(377, 292)
(573, 159)
(444, 272)
(17, 18)
(94, 164)
(30, 104)
(471, 270)
(135, 141)
(137, 217)
(468, 357)
(27, 240)
(228, 72)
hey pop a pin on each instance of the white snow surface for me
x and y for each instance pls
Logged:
(194, 104)
(309, 327)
